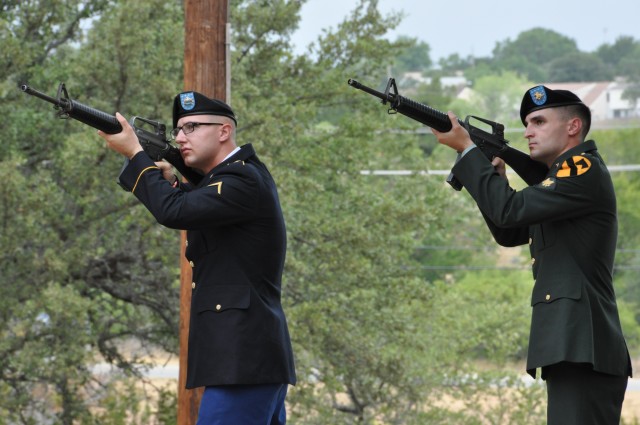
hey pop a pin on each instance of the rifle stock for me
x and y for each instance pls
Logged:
(491, 144)
(154, 143)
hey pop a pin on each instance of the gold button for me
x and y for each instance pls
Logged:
(533, 261)
(193, 285)
(548, 297)
(191, 264)
(186, 243)
(530, 241)
(218, 307)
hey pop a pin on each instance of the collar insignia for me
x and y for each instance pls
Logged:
(548, 182)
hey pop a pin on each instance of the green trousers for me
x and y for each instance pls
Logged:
(578, 395)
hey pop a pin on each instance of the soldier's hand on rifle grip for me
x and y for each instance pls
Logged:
(126, 142)
(167, 171)
(457, 138)
(499, 165)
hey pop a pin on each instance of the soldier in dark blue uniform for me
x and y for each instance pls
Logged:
(239, 345)
(569, 221)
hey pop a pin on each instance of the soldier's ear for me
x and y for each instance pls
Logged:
(574, 126)
(225, 132)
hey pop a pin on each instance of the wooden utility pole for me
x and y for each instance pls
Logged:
(206, 70)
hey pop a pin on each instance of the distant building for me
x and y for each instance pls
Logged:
(416, 77)
(604, 98)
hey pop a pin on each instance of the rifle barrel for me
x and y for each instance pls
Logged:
(78, 111)
(33, 92)
(355, 84)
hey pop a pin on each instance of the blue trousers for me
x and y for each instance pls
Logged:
(243, 404)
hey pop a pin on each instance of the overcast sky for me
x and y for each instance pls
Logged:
(472, 27)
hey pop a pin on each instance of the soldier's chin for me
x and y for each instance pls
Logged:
(194, 165)
(188, 160)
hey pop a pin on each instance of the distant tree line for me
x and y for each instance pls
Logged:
(539, 55)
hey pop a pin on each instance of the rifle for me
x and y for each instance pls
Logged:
(491, 144)
(154, 142)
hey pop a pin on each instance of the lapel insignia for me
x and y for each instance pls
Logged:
(548, 183)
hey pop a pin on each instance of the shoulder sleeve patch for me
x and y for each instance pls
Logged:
(574, 166)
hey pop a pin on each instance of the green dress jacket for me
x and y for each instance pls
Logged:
(569, 221)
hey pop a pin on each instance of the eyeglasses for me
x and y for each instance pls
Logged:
(190, 127)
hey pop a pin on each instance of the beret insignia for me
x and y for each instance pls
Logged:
(188, 101)
(538, 95)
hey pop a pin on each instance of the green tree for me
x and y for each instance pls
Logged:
(83, 267)
(413, 58)
(629, 67)
(613, 54)
(578, 66)
(619, 147)
(531, 52)
(455, 63)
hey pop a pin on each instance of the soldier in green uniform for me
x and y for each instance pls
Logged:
(569, 221)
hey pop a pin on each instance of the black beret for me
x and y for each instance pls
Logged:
(541, 97)
(194, 103)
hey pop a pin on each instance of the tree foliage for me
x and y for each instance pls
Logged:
(412, 58)
(620, 147)
(84, 268)
(577, 67)
(531, 52)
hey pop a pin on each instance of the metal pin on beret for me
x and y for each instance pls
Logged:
(194, 103)
(541, 97)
